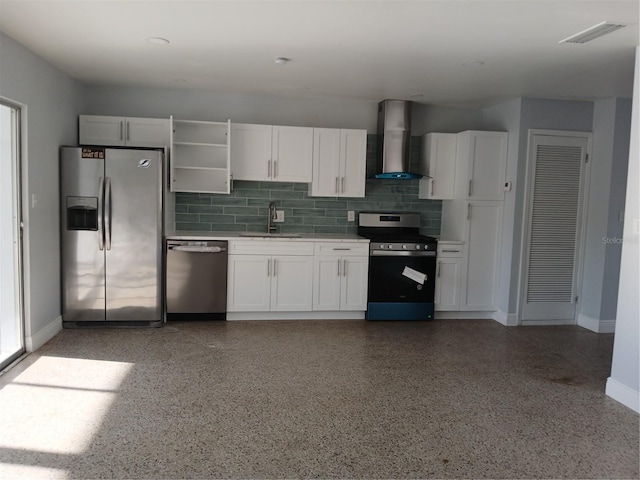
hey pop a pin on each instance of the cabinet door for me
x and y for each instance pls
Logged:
(439, 164)
(448, 277)
(101, 130)
(483, 238)
(487, 157)
(355, 271)
(146, 132)
(353, 156)
(326, 162)
(251, 151)
(326, 285)
(291, 283)
(249, 283)
(292, 152)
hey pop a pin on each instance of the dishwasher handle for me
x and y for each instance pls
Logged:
(196, 249)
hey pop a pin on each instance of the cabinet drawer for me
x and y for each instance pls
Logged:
(342, 249)
(450, 250)
(269, 247)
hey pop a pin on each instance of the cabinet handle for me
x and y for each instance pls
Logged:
(269, 169)
(341, 248)
(231, 180)
(433, 181)
(344, 268)
(342, 185)
(274, 267)
(268, 267)
(337, 180)
(128, 129)
(470, 187)
(444, 250)
(275, 169)
(121, 130)
(438, 274)
(338, 267)
(468, 211)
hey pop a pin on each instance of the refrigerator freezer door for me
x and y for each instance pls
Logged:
(133, 250)
(83, 281)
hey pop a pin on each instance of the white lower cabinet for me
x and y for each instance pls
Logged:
(478, 224)
(263, 282)
(449, 269)
(340, 277)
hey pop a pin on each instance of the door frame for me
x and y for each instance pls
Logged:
(19, 183)
(581, 227)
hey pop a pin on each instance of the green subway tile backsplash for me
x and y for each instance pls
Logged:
(245, 209)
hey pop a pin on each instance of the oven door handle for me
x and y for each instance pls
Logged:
(400, 253)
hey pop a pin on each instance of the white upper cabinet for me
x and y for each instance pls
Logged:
(123, 131)
(200, 156)
(339, 162)
(438, 165)
(291, 153)
(481, 165)
(271, 153)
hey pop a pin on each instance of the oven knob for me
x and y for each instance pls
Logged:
(417, 247)
(382, 246)
(404, 247)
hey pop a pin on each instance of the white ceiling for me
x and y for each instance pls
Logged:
(363, 49)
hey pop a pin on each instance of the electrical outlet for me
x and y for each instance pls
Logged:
(351, 216)
(279, 216)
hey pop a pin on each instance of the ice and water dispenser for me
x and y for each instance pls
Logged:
(82, 213)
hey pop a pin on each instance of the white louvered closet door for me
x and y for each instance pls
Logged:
(555, 198)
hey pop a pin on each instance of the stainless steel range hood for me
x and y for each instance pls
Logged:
(394, 140)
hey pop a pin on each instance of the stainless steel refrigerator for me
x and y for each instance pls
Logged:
(111, 234)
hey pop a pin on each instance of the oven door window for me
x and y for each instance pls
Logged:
(387, 283)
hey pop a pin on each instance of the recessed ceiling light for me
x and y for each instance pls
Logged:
(473, 63)
(282, 60)
(158, 40)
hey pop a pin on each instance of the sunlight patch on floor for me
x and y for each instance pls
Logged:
(58, 404)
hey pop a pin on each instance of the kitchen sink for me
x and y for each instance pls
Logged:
(269, 235)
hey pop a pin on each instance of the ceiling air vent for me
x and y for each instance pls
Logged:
(594, 32)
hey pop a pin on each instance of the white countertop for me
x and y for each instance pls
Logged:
(315, 237)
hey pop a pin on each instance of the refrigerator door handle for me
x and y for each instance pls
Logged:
(100, 215)
(107, 213)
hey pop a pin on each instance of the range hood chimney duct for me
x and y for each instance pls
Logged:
(394, 140)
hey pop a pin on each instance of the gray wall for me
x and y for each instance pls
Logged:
(506, 117)
(52, 101)
(611, 123)
(209, 106)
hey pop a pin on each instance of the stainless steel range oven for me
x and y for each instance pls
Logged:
(402, 266)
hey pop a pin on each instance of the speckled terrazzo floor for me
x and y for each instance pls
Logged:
(317, 399)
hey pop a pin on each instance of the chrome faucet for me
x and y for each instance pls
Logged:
(271, 216)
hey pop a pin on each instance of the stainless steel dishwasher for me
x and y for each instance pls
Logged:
(196, 280)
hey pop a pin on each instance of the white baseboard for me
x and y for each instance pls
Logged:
(447, 315)
(595, 325)
(546, 322)
(356, 315)
(506, 319)
(623, 394)
(42, 336)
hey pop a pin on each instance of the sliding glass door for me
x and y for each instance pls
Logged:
(11, 317)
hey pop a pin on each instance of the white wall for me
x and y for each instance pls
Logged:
(624, 382)
(52, 101)
(211, 106)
